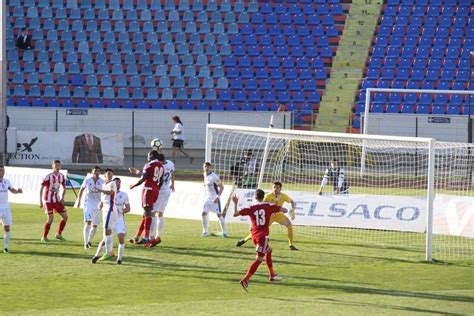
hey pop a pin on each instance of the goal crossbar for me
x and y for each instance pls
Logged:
(317, 134)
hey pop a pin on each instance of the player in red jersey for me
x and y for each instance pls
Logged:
(152, 175)
(259, 214)
(53, 201)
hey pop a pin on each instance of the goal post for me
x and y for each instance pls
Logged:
(391, 205)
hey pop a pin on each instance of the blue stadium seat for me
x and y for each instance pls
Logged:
(440, 99)
(23, 102)
(453, 110)
(377, 108)
(314, 97)
(395, 98)
(438, 109)
(425, 98)
(392, 108)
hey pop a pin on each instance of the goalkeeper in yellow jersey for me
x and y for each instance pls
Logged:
(278, 198)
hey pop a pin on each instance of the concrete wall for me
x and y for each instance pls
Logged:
(147, 124)
(441, 127)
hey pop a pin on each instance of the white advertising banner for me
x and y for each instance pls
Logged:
(41, 148)
(185, 203)
(355, 211)
(28, 179)
(453, 215)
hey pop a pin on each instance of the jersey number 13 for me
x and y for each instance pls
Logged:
(259, 217)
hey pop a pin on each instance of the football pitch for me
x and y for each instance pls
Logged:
(190, 275)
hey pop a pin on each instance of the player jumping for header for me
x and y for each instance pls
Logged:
(152, 177)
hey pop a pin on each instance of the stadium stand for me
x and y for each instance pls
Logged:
(421, 44)
(217, 55)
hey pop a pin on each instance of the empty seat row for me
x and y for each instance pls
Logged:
(414, 84)
(166, 94)
(422, 10)
(420, 52)
(230, 61)
(418, 109)
(402, 21)
(197, 6)
(419, 98)
(424, 42)
(310, 15)
(176, 27)
(203, 105)
(418, 74)
(156, 16)
(120, 93)
(443, 64)
(432, 3)
(123, 81)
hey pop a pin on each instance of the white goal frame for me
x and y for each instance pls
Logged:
(430, 145)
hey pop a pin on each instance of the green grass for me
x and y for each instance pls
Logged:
(191, 275)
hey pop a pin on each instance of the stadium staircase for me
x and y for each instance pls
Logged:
(336, 104)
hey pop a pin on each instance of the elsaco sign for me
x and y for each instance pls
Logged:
(354, 211)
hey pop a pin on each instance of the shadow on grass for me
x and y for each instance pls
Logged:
(368, 257)
(54, 254)
(367, 290)
(369, 305)
(222, 254)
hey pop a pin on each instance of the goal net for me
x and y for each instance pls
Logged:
(391, 204)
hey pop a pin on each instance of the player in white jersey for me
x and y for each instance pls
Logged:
(5, 214)
(109, 215)
(213, 190)
(160, 205)
(91, 205)
(123, 206)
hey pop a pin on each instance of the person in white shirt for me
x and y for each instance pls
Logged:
(109, 216)
(167, 186)
(178, 139)
(213, 189)
(91, 205)
(122, 204)
(5, 213)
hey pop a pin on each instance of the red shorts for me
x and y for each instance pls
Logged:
(149, 197)
(261, 243)
(56, 207)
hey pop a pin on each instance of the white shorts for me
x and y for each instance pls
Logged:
(6, 215)
(92, 214)
(162, 201)
(120, 225)
(209, 206)
(109, 219)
